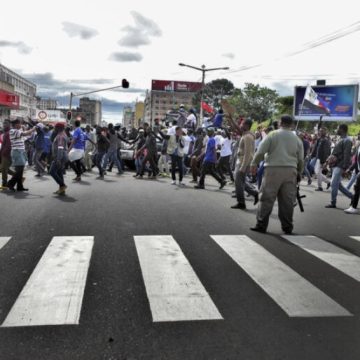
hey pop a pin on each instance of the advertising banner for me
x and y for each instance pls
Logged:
(333, 102)
(170, 85)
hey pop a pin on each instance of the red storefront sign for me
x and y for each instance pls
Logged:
(170, 85)
(9, 99)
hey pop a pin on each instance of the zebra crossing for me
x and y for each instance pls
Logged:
(54, 292)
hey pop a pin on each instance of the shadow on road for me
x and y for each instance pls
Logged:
(65, 198)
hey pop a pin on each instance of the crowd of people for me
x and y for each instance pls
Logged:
(266, 164)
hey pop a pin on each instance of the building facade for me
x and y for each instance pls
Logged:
(168, 95)
(23, 93)
(139, 113)
(128, 117)
(89, 110)
(46, 104)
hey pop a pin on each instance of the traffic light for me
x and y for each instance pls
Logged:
(125, 84)
(68, 115)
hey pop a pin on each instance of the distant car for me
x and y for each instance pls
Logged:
(127, 155)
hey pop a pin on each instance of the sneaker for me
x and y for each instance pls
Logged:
(173, 182)
(319, 189)
(328, 186)
(351, 210)
(238, 206)
(309, 182)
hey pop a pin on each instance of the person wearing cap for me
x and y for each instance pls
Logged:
(283, 153)
(18, 155)
(59, 153)
(210, 159)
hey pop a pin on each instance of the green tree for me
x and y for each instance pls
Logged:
(254, 101)
(214, 91)
(284, 105)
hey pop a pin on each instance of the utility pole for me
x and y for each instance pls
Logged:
(203, 69)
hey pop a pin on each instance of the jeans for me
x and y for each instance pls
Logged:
(352, 180)
(176, 161)
(355, 200)
(112, 156)
(57, 172)
(39, 166)
(336, 185)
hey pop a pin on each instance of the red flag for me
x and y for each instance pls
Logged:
(207, 107)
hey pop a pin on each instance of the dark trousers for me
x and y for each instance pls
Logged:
(99, 162)
(242, 185)
(57, 172)
(224, 163)
(76, 166)
(5, 170)
(209, 168)
(195, 165)
(150, 157)
(355, 201)
(17, 178)
(176, 161)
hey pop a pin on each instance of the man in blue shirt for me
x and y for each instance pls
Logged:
(208, 166)
(77, 150)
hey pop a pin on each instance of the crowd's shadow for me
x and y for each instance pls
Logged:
(65, 198)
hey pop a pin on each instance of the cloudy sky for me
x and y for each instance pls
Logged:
(81, 45)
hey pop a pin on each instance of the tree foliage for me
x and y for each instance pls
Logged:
(214, 91)
(284, 105)
(254, 101)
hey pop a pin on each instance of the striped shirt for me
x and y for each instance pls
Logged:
(16, 139)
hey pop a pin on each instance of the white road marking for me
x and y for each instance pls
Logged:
(4, 240)
(174, 291)
(355, 238)
(294, 294)
(338, 258)
(54, 292)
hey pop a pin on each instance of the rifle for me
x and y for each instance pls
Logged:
(299, 197)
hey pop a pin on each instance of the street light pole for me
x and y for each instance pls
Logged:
(203, 69)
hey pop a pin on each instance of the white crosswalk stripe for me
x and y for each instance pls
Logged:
(338, 258)
(295, 295)
(54, 292)
(3, 241)
(355, 238)
(174, 291)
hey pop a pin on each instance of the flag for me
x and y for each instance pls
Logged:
(313, 100)
(207, 107)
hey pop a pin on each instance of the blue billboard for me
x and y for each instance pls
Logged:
(341, 103)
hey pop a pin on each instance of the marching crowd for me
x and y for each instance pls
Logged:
(266, 164)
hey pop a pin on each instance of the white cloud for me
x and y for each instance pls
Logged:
(76, 30)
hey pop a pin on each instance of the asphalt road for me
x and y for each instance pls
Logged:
(116, 320)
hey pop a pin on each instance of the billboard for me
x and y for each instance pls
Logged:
(341, 102)
(50, 116)
(9, 99)
(170, 85)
